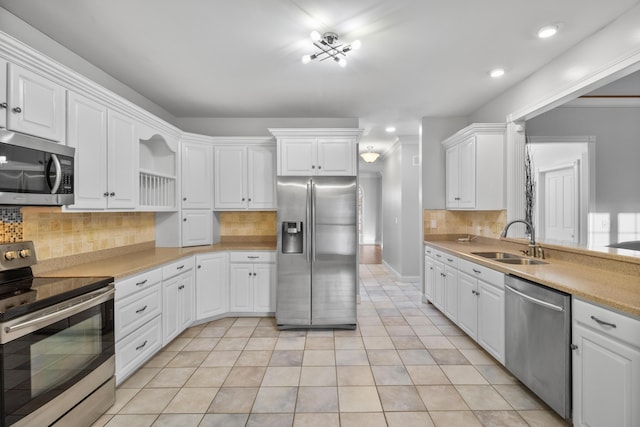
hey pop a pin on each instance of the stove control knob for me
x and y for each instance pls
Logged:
(24, 253)
(10, 255)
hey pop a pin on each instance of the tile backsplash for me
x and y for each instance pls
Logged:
(56, 234)
(489, 223)
(248, 223)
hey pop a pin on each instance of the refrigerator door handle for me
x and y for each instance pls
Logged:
(308, 222)
(313, 220)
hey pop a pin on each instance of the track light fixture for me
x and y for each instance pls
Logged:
(330, 48)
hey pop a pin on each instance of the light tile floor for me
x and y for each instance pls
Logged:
(406, 365)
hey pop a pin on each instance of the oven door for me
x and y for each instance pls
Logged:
(45, 354)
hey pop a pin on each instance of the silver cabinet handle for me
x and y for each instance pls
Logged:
(112, 194)
(184, 199)
(573, 347)
(3, 105)
(180, 267)
(17, 110)
(181, 287)
(141, 346)
(477, 271)
(184, 219)
(142, 283)
(313, 166)
(141, 310)
(439, 256)
(319, 167)
(106, 194)
(253, 257)
(602, 322)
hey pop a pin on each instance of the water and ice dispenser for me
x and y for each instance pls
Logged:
(292, 240)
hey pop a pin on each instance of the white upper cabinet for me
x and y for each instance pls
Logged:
(197, 227)
(3, 93)
(310, 152)
(34, 105)
(197, 175)
(475, 167)
(245, 177)
(122, 163)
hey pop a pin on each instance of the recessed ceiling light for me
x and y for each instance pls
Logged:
(497, 72)
(547, 31)
(390, 129)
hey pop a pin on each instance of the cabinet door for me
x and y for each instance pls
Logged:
(212, 285)
(36, 105)
(467, 173)
(297, 156)
(606, 380)
(230, 178)
(123, 152)
(197, 227)
(451, 293)
(429, 278)
(240, 288)
(491, 319)
(4, 102)
(170, 315)
(197, 175)
(261, 177)
(87, 133)
(438, 294)
(336, 156)
(468, 304)
(186, 300)
(264, 288)
(452, 174)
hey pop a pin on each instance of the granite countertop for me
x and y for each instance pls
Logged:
(129, 263)
(617, 290)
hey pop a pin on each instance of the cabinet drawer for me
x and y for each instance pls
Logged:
(136, 283)
(446, 258)
(252, 256)
(429, 251)
(626, 328)
(136, 310)
(481, 272)
(177, 267)
(136, 348)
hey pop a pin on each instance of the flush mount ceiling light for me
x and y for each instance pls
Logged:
(390, 129)
(369, 156)
(330, 48)
(496, 72)
(547, 31)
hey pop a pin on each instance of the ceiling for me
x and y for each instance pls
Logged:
(242, 58)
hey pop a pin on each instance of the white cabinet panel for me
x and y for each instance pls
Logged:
(336, 156)
(468, 304)
(261, 177)
(429, 278)
(240, 288)
(138, 347)
(197, 227)
(264, 278)
(197, 175)
(123, 165)
(231, 177)
(451, 292)
(4, 101)
(317, 156)
(35, 106)
(178, 304)
(491, 328)
(212, 285)
(297, 156)
(467, 174)
(252, 284)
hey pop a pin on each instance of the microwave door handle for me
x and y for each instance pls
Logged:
(56, 163)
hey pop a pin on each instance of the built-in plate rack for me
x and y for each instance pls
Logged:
(157, 175)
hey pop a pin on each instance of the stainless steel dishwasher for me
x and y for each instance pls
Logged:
(538, 339)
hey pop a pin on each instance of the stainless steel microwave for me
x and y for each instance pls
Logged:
(34, 171)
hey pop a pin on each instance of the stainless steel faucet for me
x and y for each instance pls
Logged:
(534, 249)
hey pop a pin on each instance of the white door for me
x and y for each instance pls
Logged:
(452, 177)
(197, 227)
(438, 293)
(36, 105)
(186, 290)
(468, 304)
(297, 156)
(429, 278)
(123, 169)
(87, 133)
(197, 175)
(170, 316)
(336, 156)
(263, 285)
(212, 288)
(560, 204)
(231, 177)
(4, 102)
(467, 176)
(451, 293)
(240, 288)
(261, 173)
(491, 328)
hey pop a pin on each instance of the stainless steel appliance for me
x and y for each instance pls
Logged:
(317, 252)
(57, 346)
(35, 171)
(538, 339)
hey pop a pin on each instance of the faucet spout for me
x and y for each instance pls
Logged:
(534, 248)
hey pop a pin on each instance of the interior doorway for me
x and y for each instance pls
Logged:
(559, 207)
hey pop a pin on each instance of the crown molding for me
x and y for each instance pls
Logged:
(302, 132)
(475, 129)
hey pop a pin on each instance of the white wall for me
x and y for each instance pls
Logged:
(617, 153)
(372, 208)
(258, 126)
(402, 237)
(29, 35)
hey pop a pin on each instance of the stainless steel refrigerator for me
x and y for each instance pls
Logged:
(317, 252)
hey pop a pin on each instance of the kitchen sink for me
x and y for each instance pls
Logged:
(520, 261)
(497, 255)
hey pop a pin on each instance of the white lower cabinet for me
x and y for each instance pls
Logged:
(178, 296)
(606, 367)
(212, 285)
(429, 274)
(252, 281)
(138, 321)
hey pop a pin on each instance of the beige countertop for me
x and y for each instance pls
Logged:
(127, 264)
(607, 287)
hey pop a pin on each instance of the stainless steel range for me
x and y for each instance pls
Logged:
(56, 344)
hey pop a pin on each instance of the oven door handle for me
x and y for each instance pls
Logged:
(95, 298)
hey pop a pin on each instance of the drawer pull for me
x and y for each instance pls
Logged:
(253, 257)
(477, 271)
(141, 310)
(602, 322)
(141, 346)
(180, 267)
(439, 256)
(450, 259)
(141, 283)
